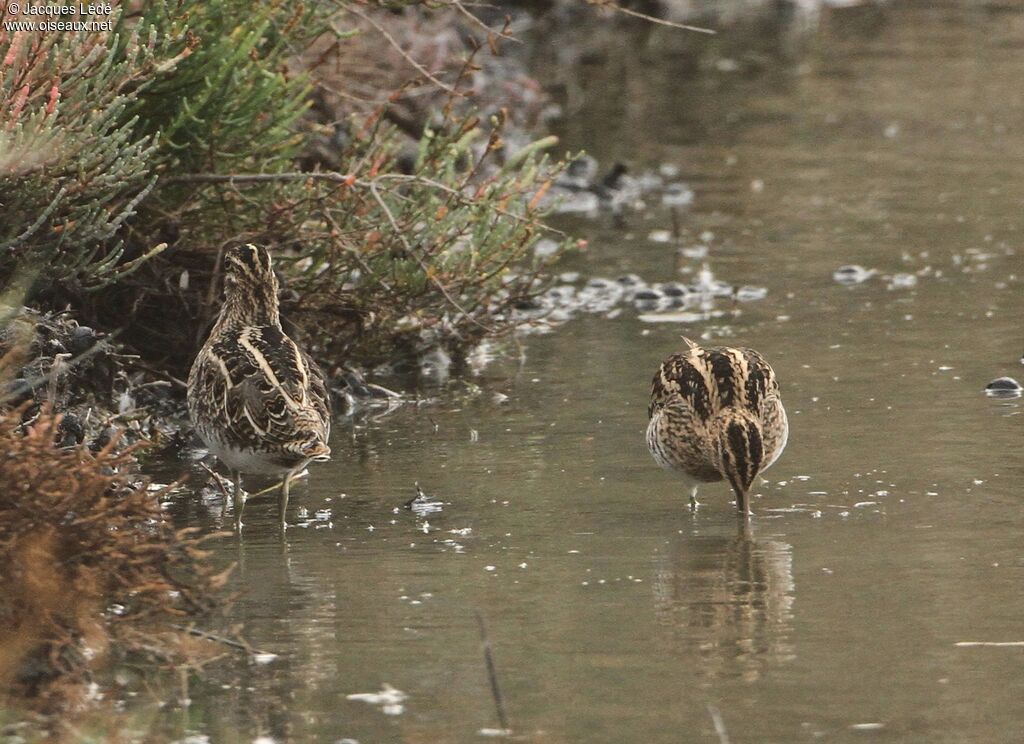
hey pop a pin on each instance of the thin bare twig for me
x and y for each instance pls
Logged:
(217, 480)
(454, 192)
(1000, 644)
(220, 639)
(171, 378)
(492, 672)
(354, 253)
(651, 19)
(65, 362)
(346, 179)
(268, 489)
(419, 260)
(716, 719)
(477, 22)
(255, 177)
(398, 47)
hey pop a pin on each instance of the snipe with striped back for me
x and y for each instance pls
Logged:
(256, 399)
(716, 414)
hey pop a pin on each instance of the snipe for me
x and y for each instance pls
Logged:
(256, 399)
(716, 414)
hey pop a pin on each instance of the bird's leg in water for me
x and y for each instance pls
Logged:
(238, 499)
(282, 502)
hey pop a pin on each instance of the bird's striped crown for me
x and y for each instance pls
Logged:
(250, 286)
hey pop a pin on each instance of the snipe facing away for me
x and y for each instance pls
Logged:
(256, 399)
(716, 414)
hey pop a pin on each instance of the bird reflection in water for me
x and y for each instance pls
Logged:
(728, 601)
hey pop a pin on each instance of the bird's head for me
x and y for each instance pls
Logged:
(250, 286)
(248, 265)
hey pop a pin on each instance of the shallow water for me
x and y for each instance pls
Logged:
(889, 531)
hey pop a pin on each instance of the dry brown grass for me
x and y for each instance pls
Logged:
(88, 563)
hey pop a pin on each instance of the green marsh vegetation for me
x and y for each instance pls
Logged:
(129, 160)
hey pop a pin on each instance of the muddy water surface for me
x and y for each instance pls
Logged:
(889, 532)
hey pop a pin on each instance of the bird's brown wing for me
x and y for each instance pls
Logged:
(683, 377)
(271, 395)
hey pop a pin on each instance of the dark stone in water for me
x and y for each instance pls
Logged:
(578, 176)
(584, 167)
(630, 280)
(674, 289)
(613, 179)
(599, 283)
(528, 303)
(355, 383)
(1003, 387)
(648, 295)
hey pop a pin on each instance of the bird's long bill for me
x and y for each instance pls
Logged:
(318, 452)
(741, 449)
